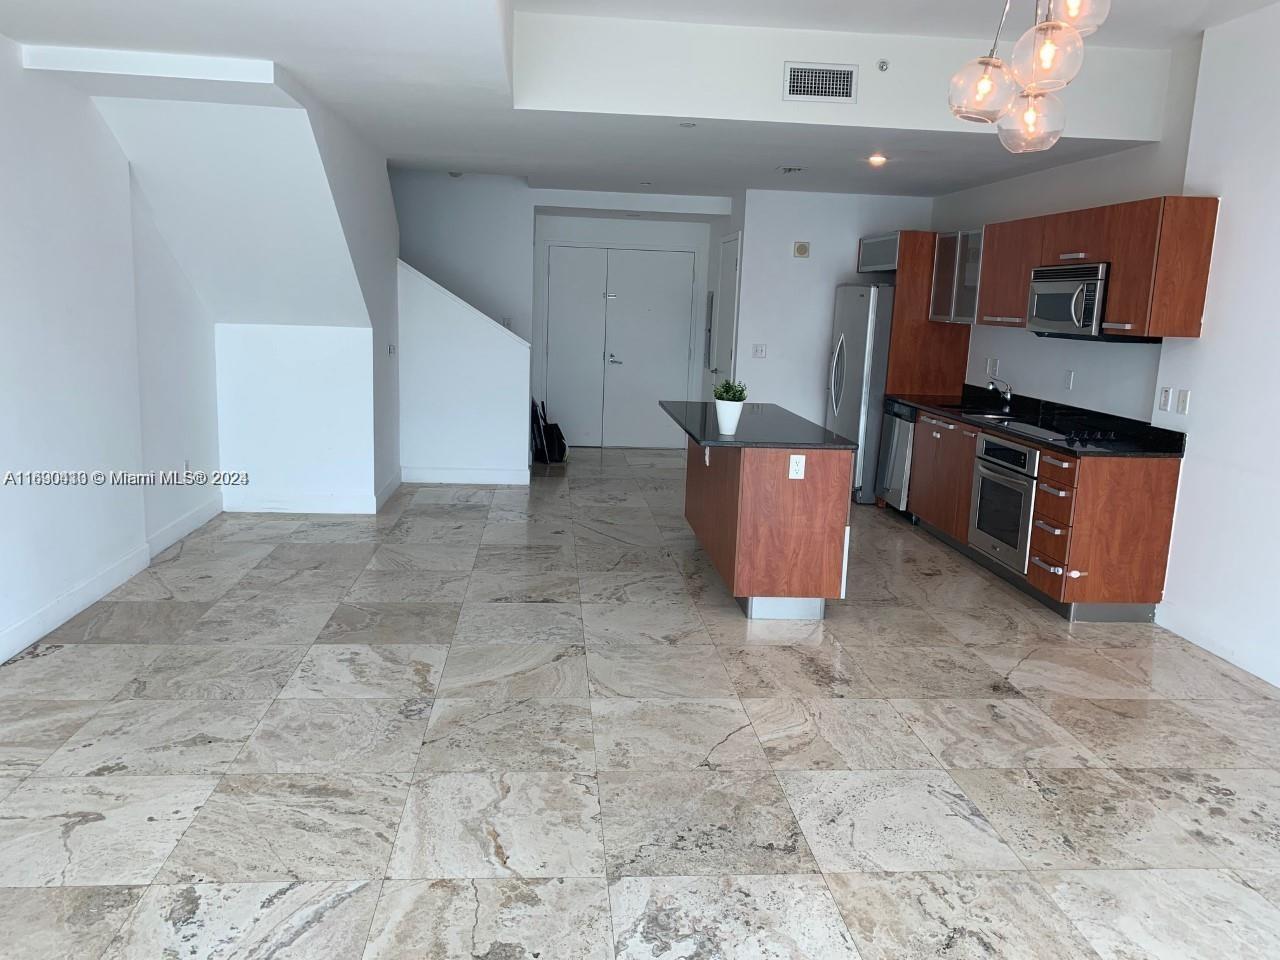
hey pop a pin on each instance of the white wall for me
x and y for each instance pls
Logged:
(787, 303)
(1118, 379)
(640, 234)
(241, 197)
(177, 384)
(464, 390)
(362, 194)
(1221, 586)
(474, 236)
(295, 410)
(69, 361)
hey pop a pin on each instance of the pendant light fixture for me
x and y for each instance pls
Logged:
(1085, 15)
(983, 89)
(1049, 55)
(1035, 122)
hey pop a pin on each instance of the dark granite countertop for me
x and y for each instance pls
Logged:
(1055, 426)
(762, 425)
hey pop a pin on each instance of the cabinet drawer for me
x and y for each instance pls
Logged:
(1047, 575)
(1055, 501)
(1059, 469)
(1050, 539)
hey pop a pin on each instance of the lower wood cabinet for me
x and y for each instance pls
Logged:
(1101, 525)
(942, 474)
(768, 535)
(1107, 539)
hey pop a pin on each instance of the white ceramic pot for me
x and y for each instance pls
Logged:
(727, 414)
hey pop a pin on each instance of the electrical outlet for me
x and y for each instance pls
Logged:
(796, 470)
(1070, 380)
(758, 351)
(391, 349)
(1166, 398)
(1184, 402)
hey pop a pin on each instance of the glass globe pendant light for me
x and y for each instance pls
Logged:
(1049, 55)
(1035, 122)
(983, 89)
(1085, 15)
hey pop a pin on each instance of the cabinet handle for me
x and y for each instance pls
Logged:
(1003, 320)
(1056, 571)
(1073, 256)
(1117, 326)
(1056, 531)
(1060, 464)
(945, 426)
(1054, 490)
(937, 435)
(969, 434)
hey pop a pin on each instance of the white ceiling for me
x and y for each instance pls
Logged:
(1133, 23)
(427, 81)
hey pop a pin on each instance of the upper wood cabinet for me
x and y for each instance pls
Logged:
(1010, 251)
(1159, 252)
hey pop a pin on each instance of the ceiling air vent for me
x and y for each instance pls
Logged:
(821, 81)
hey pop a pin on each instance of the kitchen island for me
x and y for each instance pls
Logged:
(770, 505)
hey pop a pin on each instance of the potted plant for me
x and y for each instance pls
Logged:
(729, 399)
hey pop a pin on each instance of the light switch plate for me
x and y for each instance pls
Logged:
(758, 351)
(1166, 398)
(796, 470)
(1184, 402)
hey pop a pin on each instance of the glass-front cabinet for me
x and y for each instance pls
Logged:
(957, 268)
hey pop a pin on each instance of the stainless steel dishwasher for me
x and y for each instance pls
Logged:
(896, 436)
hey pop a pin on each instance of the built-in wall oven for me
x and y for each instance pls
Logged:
(1004, 493)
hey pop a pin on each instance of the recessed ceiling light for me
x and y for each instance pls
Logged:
(877, 159)
(688, 124)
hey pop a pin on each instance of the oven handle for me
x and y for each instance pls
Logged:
(1011, 480)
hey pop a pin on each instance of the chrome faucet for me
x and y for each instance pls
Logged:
(1006, 393)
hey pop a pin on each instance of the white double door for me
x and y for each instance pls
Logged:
(618, 341)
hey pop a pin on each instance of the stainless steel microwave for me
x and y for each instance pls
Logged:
(1068, 301)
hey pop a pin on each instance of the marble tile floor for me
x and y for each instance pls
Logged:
(515, 723)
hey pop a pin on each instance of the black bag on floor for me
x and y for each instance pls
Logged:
(553, 440)
(539, 436)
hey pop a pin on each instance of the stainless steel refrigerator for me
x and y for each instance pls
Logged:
(856, 374)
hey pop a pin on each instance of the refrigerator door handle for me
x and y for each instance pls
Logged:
(836, 357)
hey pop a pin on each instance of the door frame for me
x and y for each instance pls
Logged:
(542, 308)
(709, 378)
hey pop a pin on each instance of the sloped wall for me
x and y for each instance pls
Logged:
(464, 390)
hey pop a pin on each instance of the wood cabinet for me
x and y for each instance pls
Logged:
(1158, 251)
(924, 358)
(942, 474)
(768, 535)
(1106, 539)
(1010, 251)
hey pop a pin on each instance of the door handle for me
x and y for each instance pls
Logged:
(611, 296)
(615, 360)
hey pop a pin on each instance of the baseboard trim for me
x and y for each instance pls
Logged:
(507, 477)
(388, 488)
(16, 638)
(290, 501)
(189, 522)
